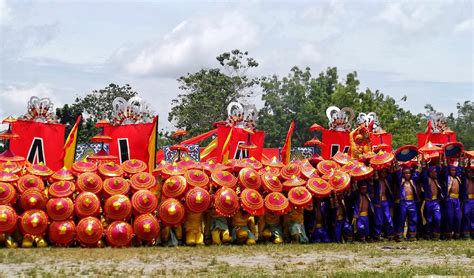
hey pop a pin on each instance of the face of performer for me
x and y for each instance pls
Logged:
(363, 189)
(433, 174)
(383, 173)
(452, 171)
(407, 175)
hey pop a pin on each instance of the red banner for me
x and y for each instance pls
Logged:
(129, 141)
(239, 137)
(435, 138)
(39, 142)
(385, 138)
(334, 141)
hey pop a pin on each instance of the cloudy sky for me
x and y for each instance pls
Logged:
(63, 49)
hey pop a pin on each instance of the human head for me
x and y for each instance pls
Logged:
(407, 173)
(452, 171)
(433, 172)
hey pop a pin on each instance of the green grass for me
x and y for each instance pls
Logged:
(332, 260)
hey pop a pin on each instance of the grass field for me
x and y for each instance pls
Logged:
(345, 260)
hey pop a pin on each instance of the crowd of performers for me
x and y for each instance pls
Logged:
(240, 202)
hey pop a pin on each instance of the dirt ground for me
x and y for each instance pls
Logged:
(338, 260)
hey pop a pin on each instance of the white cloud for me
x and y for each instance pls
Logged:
(5, 12)
(308, 54)
(192, 44)
(464, 26)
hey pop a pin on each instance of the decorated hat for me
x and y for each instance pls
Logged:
(133, 166)
(210, 166)
(252, 162)
(146, 227)
(63, 174)
(8, 219)
(29, 181)
(110, 169)
(197, 200)
(453, 149)
(10, 166)
(89, 231)
(273, 163)
(159, 167)
(79, 167)
(39, 170)
(174, 187)
(382, 160)
(89, 182)
(116, 185)
(142, 180)
(294, 181)
(86, 204)
(324, 167)
(223, 178)
(33, 199)
(226, 202)
(119, 234)
(277, 203)
(172, 170)
(7, 194)
(171, 212)
(300, 197)
(143, 201)
(430, 148)
(7, 176)
(187, 163)
(62, 233)
(61, 189)
(361, 172)
(339, 181)
(34, 222)
(59, 209)
(252, 202)
(271, 183)
(118, 207)
(406, 153)
(290, 170)
(249, 178)
(196, 178)
(269, 170)
(341, 158)
(349, 166)
(309, 172)
(319, 187)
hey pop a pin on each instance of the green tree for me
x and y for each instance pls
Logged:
(208, 92)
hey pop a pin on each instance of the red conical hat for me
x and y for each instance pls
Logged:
(324, 167)
(62, 233)
(118, 207)
(6, 176)
(271, 183)
(116, 185)
(110, 169)
(159, 168)
(142, 180)
(430, 148)
(309, 172)
(249, 178)
(277, 203)
(146, 227)
(89, 182)
(29, 181)
(315, 127)
(273, 163)
(382, 160)
(32, 199)
(174, 187)
(340, 181)
(10, 166)
(292, 169)
(319, 187)
(341, 158)
(133, 166)
(198, 200)
(171, 212)
(143, 201)
(349, 166)
(7, 194)
(252, 202)
(34, 222)
(61, 189)
(172, 170)
(187, 163)
(63, 175)
(252, 162)
(79, 167)
(87, 204)
(8, 219)
(59, 209)
(269, 170)
(119, 234)
(196, 177)
(39, 170)
(210, 166)
(223, 178)
(361, 172)
(226, 202)
(294, 181)
(89, 231)
(300, 197)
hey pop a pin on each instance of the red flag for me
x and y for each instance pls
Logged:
(429, 131)
(286, 151)
(69, 151)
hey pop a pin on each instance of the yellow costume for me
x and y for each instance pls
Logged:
(194, 229)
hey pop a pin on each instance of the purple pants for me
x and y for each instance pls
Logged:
(453, 216)
(363, 228)
(407, 209)
(433, 217)
(468, 218)
(320, 235)
(341, 228)
(383, 219)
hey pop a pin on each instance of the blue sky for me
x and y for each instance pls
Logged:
(64, 49)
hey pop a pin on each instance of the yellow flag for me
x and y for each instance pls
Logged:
(69, 151)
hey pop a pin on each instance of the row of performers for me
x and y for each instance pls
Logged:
(240, 202)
